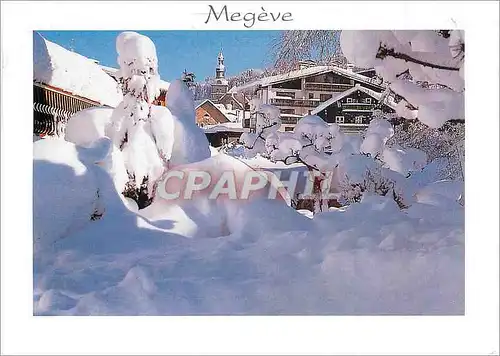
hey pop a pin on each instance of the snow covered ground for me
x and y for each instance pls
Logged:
(369, 258)
(96, 253)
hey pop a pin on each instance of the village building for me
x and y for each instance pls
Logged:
(219, 84)
(353, 109)
(236, 102)
(220, 124)
(223, 134)
(301, 92)
(208, 113)
(65, 82)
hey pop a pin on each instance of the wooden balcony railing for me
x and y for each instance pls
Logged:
(357, 106)
(295, 102)
(289, 120)
(330, 87)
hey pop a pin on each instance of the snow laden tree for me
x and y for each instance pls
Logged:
(151, 138)
(424, 70)
(445, 146)
(311, 143)
(268, 122)
(342, 169)
(322, 46)
(202, 90)
(405, 59)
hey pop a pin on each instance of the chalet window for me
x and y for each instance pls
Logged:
(288, 128)
(339, 119)
(311, 95)
(349, 100)
(325, 97)
(359, 119)
(288, 94)
(368, 100)
(339, 104)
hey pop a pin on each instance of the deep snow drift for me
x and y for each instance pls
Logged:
(256, 257)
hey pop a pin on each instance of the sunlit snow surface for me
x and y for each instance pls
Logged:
(258, 257)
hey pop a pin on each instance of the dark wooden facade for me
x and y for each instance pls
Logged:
(355, 108)
(220, 138)
(328, 82)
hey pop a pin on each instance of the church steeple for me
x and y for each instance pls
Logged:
(220, 70)
(219, 84)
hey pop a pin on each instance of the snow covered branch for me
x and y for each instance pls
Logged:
(384, 52)
(408, 59)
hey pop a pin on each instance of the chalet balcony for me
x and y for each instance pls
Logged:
(295, 102)
(286, 94)
(357, 107)
(289, 120)
(329, 87)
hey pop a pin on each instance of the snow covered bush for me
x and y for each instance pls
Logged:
(376, 136)
(343, 168)
(360, 176)
(406, 59)
(268, 123)
(445, 147)
(87, 126)
(379, 168)
(315, 144)
(151, 137)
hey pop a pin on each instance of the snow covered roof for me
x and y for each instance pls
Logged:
(237, 97)
(348, 92)
(60, 68)
(301, 73)
(225, 127)
(230, 115)
(220, 108)
(110, 70)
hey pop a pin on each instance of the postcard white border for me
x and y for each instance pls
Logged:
(475, 333)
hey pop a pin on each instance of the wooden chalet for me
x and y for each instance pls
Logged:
(65, 82)
(353, 109)
(52, 107)
(220, 126)
(301, 92)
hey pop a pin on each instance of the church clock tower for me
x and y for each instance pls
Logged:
(220, 83)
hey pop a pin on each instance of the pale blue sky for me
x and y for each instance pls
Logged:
(195, 51)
